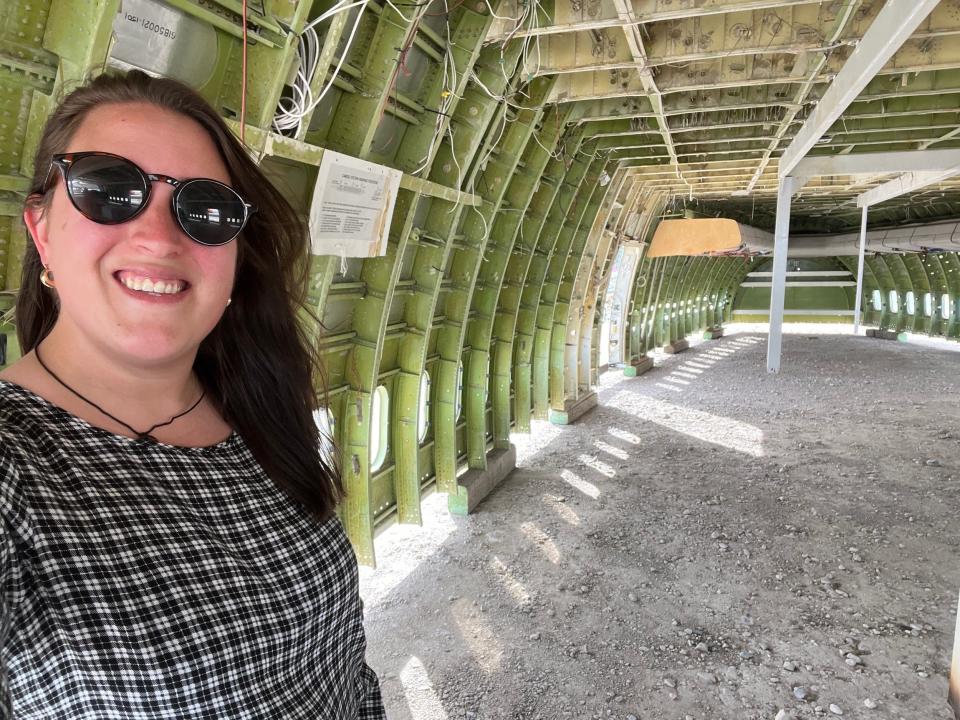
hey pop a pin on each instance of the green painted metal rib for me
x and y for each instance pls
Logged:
(492, 271)
(515, 280)
(434, 241)
(565, 209)
(556, 316)
(492, 182)
(573, 229)
(587, 295)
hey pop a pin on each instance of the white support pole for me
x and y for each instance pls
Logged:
(863, 248)
(781, 241)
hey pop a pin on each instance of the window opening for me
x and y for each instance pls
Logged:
(423, 413)
(379, 412)
(458, 399)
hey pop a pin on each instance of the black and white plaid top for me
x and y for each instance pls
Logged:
(141, 581)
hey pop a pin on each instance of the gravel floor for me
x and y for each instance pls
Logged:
(711, 542)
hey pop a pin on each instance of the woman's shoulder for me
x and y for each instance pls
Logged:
(23, 413)
(26, 422)
(22, 435)
(24, 417)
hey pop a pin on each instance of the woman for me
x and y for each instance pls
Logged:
(169, 544)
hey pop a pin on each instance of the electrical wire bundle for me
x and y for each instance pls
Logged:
(447, 96)
(291, 110)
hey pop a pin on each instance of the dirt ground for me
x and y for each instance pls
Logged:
(711, 542)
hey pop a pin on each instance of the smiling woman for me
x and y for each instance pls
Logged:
(170, 546)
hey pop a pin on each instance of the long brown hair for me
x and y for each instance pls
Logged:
(258, 362)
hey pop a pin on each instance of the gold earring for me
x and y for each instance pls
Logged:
(46, 277)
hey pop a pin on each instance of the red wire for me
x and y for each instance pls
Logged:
(243, 71)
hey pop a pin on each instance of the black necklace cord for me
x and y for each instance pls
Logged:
(146, 434)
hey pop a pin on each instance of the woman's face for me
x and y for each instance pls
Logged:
(95, 267)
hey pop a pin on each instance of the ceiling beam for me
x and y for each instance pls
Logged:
(647, 11)
(598, 50)
(865, 163)
(905, 183)
(588, 86)
(635, 43)
(891, 28)
(613, 110)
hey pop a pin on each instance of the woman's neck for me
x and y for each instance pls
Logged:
(139, 394)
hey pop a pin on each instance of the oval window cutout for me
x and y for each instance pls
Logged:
(379, 427)
(458, 398)
(423, 411)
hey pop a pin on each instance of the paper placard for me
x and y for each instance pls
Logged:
(352, 207)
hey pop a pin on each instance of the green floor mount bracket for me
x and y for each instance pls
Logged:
(638, 367)
(574, 409)
(474, 485)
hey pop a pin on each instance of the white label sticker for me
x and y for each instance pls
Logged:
(352, 207)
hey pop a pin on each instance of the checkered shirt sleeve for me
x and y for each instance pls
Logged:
(141, 581)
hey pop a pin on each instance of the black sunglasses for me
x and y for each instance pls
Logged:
(109, 189)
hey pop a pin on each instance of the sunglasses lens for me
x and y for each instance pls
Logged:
(210, 213)
(106, 189)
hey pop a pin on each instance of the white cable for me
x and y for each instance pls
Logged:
(486, 228)
(397, 10)
(552, 153)
(453, 154)
(487, 90)
(343, 57)
(498, 17)
(338, 8)
(290, 109)
(449, 74)
(293, 109)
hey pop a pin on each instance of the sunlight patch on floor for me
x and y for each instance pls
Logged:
(509, 582)
(669, 387)
(543, 541)
(597, 464)
(566, 513)
(485, 646)
(624, 435)
(420, 695)
(575, 481)
(714, 429)
(611, 450)
(541, 434)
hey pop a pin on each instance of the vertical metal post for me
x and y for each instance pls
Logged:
(781, 240)
(863, 247)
